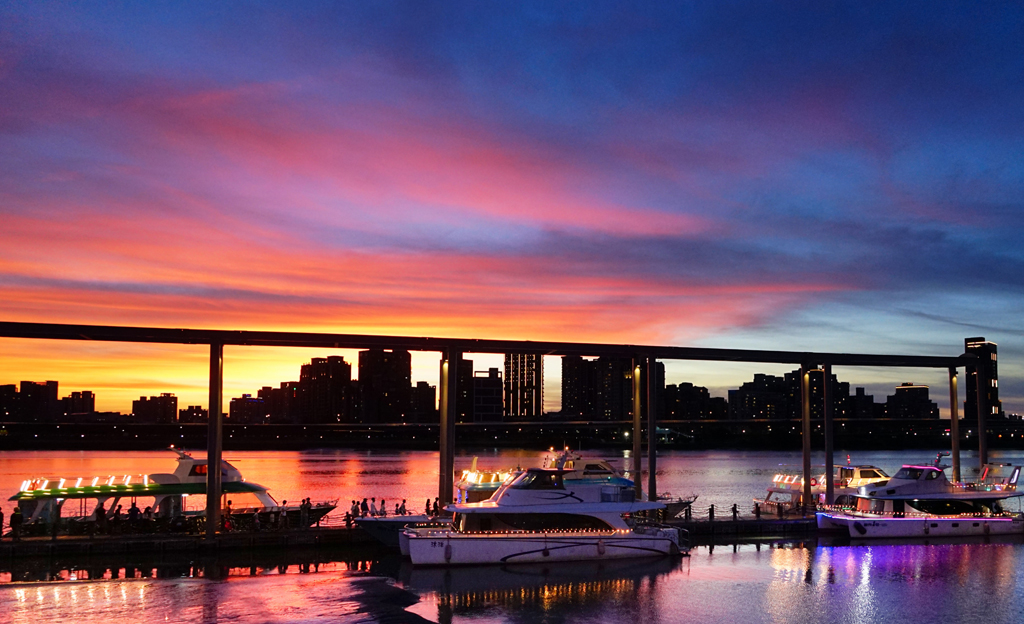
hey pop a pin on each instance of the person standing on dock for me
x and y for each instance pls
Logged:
(16, 520)
(437, 508)
(101, 518)
(1, 523)
(383, 508)
(427, 512)
(401, 510)
(373, 507)
(363, 509)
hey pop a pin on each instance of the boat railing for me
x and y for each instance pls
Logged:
(843, 509)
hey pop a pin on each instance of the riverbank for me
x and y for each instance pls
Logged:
(776, 435)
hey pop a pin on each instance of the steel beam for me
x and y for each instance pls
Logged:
(446, 409)
(954, 424)
(982, 405)
(214, 439)
(637, 432)
(805, 409)
(652, 429)
(826, 395)
(463, 345)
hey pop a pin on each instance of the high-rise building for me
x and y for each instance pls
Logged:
(579, 386)
(987, 369)
(324, 388)
(8, 402)
(766, 397)
(487, 396)
(38, 402)
(157, 409)
(385, 385)
(464, 391)
(614, 385)
(193, 414)
(424, 403)
(83, 402)
(911, 401)
(524, 386)
(284, 404)
(686, 401)
(248, 410)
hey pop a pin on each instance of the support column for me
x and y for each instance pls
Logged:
(636, 474)
(214, 439)
(954, 424)
(446, 409)
(805, 409)
(982, 405)
(652, 429)
(826, 371)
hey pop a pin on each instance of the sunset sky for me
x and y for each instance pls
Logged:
(810, 176)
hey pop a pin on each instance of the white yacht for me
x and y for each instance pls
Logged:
(919, 501)
(539, 517)
(786, 492)
(477, 485)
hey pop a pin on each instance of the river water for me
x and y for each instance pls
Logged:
(963, 581)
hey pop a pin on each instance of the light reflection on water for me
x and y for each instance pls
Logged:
(790, 583)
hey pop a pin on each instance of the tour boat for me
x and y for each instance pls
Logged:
(540, 517)
(165, 494)
(919, 501)
(786, 492)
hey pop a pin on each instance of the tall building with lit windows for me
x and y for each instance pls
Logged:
(988, 369)
(524, 386)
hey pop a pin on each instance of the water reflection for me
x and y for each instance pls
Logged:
(549, 593)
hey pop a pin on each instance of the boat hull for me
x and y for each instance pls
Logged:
(387, 529)
(441, 548)
(864, 527)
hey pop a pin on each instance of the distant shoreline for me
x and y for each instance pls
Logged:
(697, 435)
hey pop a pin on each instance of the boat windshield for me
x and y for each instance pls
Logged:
(539, 481)
(908, 473)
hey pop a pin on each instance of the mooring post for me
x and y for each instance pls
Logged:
(652, 429)
(214, 439)
(805, 408)
(826, 394)
(954, 423)
(446, 409)
(636, 428)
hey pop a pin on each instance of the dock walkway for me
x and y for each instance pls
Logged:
(159, 544)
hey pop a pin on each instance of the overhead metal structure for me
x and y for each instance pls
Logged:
(452, 349)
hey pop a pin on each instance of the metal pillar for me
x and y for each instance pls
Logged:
(805, 408)
(214, 439)
(636, 474)
(652, 431)
(826, 372)
(982, 404)
(954, 424)
(446, 409)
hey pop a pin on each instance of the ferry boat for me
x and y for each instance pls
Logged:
(44, 500)
(786, 492)
(919, 501)
(539, 517)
